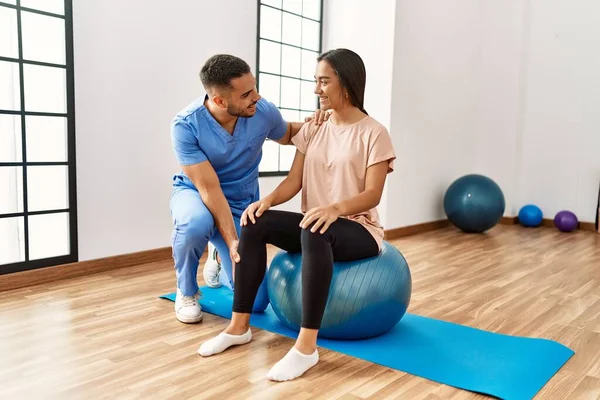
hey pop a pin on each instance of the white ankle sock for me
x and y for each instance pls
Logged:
(223, 341)
(293, 365)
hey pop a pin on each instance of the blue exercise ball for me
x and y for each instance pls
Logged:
(367, 297)
(474, 203)
(530, 215)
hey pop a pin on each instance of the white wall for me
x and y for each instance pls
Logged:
(135, 68)
(434, 93)
(375, 47)
(507, 89)
(501, 78)
(561, 132)
(538, 127)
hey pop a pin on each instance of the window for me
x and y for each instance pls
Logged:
(37, 130)
(289, 42)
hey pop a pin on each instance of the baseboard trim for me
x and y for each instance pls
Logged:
(19, 280)
(588, 226)
(549, 223)
(415, 229)
(584, 226)
(509, 220)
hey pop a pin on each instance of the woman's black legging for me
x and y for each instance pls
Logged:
(345, 240)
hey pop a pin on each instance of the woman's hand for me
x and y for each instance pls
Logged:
(324, 217)
(255, 210)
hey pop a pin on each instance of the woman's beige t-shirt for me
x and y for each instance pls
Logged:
(336, 161)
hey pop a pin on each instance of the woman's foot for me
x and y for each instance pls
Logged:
(222, 342)
(238, 332)
(293, 365)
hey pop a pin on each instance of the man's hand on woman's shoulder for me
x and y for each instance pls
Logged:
(318, 117)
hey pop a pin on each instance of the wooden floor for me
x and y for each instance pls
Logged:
(109, 336)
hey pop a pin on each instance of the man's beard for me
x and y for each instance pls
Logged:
(240, 112)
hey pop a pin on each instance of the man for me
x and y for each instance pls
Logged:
(218, 143)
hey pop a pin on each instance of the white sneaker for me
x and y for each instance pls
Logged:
(212, 268)
(187, 308)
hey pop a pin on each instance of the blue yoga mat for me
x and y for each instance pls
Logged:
(503, 366)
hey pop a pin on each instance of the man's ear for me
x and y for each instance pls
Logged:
(220, 101)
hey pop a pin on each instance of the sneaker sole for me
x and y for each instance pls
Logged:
(189, 320)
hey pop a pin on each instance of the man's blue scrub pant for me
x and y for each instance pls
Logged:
(193, 228)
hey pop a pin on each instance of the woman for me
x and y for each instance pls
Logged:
(341, 168)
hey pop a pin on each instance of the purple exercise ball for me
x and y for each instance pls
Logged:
(566, 221)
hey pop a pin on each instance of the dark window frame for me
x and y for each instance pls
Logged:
(73, 256)
(281, 172)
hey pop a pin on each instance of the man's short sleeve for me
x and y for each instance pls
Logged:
(278, 125)
(185, 144)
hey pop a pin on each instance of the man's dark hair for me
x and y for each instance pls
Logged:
(221, 69)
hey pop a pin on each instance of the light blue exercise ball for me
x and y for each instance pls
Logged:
(367, 297)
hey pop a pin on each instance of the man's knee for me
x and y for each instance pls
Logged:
(197, 229)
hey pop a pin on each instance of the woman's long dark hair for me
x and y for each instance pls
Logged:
(351, 71)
